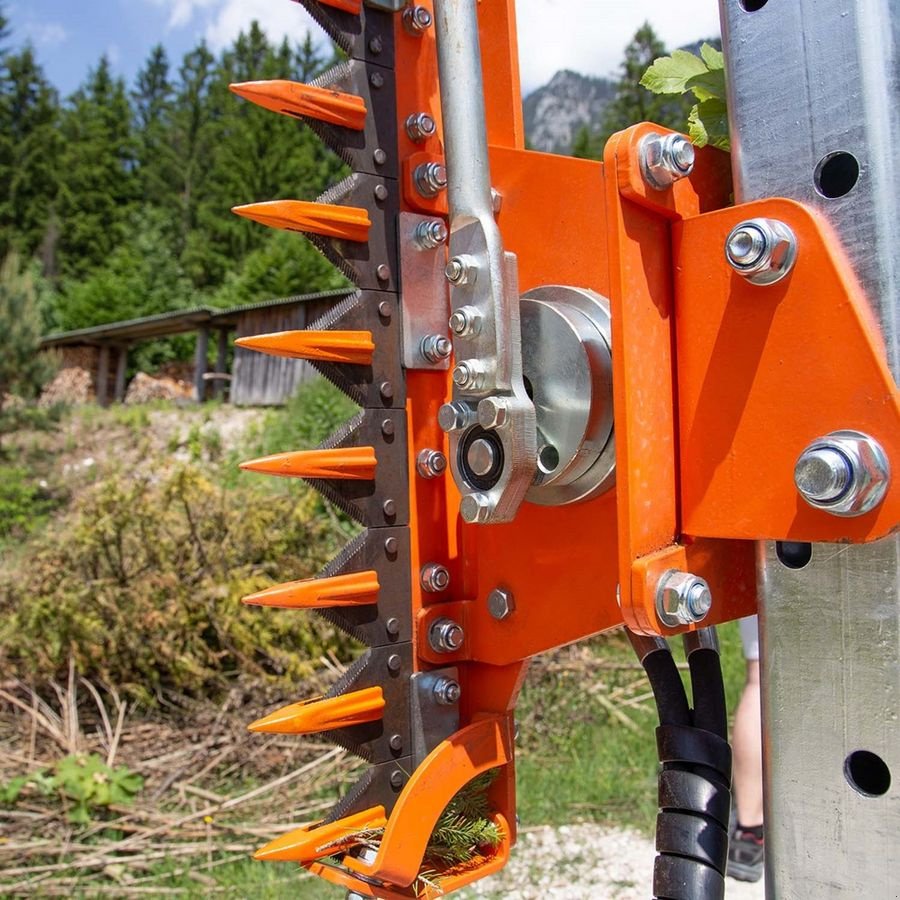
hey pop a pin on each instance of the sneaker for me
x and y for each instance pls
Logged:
(745, 856)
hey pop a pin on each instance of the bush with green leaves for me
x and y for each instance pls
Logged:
(84, 784)
(25, 502)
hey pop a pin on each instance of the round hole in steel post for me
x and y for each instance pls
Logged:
(867, 773)
(836, 174)
(793, 554)
(753, 5)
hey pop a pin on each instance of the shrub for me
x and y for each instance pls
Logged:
(24, 502)
(141, 583)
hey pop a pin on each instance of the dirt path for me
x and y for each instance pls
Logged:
(583, 862)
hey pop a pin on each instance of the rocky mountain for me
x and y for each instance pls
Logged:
(556, 112)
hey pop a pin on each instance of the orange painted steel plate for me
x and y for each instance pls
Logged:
(764, 371)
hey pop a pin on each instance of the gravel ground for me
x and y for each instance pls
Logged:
(583, 862)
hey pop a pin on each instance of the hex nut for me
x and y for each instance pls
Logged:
(666, 159)
(461, 270)
(431, 463)
(682, 598)
(434, 578)
(761, 250)
(868, 473)
(445, 636)
(501, 603)
(447, 691)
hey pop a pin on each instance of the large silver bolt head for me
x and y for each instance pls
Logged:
(762, 250)
(417, 20)
(431, 234)
(447, 691)
(476, 509)
(465, 321)
(846, 473)
(445, 636)
(431, 463)
(469, 375)
(481, 457)
(455, 416)
(493, 412)
(430, 178)
(420, 126)
(666, 159)
(434, 578)
(436, 348)
(501, 603)
(682, 598)
(461, 270)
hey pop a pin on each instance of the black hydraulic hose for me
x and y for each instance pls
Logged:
(695, 778)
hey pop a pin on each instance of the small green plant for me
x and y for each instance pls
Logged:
(24, 502)
(704, 77)
(84, 783)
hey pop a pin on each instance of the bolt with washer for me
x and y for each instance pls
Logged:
(430, 179)
(436, 348)
(447, 691)
(461, 270)
(419, 127)
(762, 250)
(455, 416)
(431, 234)
(445, 636)
(417, 20)
(469, 375)
(682, 598)
(465, 321)
(666, 159)
(845, 473)
(431, 463)
(476, 509)
(501, 603)
(434, 578)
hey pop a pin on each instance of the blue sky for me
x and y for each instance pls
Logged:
(587, 35)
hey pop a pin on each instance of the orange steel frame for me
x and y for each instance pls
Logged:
(706, 366)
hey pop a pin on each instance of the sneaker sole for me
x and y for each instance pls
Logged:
(741, 872)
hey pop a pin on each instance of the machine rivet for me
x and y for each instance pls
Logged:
(417, 20)
(392, 626)
(431, 463)
(666, 159)
(845, 473)
(431, 234)
(420, 126)
(447, 691)
(394, 663)
(430, 178)
(396, 742)
(397, 780)
(376, 79)
(762, 250)
(385, 310)
(387, 427)
(501, 603)
(436, 348)
(381, 192)
(386, 389)
(391, 546)
(445, 636)
(682, 598)
(390, 509)
(375, 46)
(383, 273)
(434, 578)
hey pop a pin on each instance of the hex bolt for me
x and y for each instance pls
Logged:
(419, 127)
(481, 457)
(666, 159)
(436, 348)
(845, 473)
(461, 270)
(476, 509)
(447, 691)
(455, 416)
(434, 578)
(469, 375)
(430, 178)
(493, 412)
(417, 20)
(682, 598)
(465, 321)
(762, 250)
(430, 234)
(431, 463)
(445, 636)
(501, 604)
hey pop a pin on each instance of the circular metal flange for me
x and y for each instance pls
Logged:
(568, 368)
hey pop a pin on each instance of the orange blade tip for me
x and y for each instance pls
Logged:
(343, 464)
(355, 589)
(291, 98)
(314, 842)
(353, 347)
(324, 714)
(346, 223)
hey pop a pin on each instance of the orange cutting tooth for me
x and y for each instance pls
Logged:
(343, 463)
(345, 223)
(355, 589)
(294, 99)
(314, 842)
(354, 347)
(324, 714)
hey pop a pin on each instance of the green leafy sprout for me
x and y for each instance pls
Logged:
(703, 76)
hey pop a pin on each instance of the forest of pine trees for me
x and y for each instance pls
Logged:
(119, 195)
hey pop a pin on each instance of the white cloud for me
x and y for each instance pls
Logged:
(277, 18)
(46, 34)
(590, 36)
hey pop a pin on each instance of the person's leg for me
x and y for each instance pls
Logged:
(747, 746)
